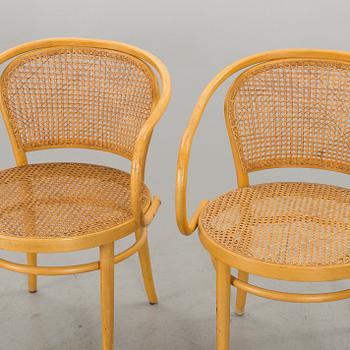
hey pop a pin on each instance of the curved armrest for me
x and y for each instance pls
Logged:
(188, 226)
(142, 143)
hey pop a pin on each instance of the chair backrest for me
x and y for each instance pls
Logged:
(78, 96)
(291, 112)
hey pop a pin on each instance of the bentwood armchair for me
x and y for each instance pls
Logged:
(287, 108)
(95, 94)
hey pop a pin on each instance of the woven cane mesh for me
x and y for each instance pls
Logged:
(284, 223)
(53, 200)
(78, 96)
(292, 113)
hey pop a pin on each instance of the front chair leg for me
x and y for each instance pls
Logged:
(107, 295)
(146, 267)
(223, 293)
(241, 294)
(32, 279)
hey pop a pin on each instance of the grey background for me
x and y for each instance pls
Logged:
(195, 39)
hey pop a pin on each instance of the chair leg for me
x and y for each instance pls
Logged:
(223, 293)
(241, 295)
(107, 295)
(146, 267)
(32, 279)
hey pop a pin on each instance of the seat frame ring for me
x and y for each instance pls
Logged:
(72, 269)
(289, 297)
(75, 243)
(273, 270)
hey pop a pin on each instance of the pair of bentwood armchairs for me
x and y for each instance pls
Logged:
(288, 108)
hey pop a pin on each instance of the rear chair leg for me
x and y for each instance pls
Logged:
(146, 267)
(241, 294)
(32, 279)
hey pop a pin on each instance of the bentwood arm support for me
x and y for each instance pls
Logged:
(188, 226)
(142, 143)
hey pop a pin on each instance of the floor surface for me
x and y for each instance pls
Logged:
(65, 313)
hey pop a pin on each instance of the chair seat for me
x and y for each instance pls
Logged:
(62, 200)
(299, 224)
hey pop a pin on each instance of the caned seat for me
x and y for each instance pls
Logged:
(301, 224)
(80, 93)
(283, 109)
(62, 200)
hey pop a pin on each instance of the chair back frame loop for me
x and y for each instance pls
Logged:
(187, 226)
(161, 97)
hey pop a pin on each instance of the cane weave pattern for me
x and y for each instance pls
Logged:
(283, 223)
(293, 112)
(78, 96)
(58, 200)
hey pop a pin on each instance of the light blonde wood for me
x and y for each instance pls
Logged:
(187, 226)
(223, 294)
(272, 154)
(142, 217)
(32, 279)
(107, 295)
(223, 256)
(296, 273)
(241, 294)
(152, 211)
(146, 268)
(138, 160)
(79, 243)
(275, 271)
(290, 297)
(73, 269)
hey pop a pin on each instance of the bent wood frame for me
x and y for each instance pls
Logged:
(221, 255)
(140, 218)
(103, 239)
(73, 269)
